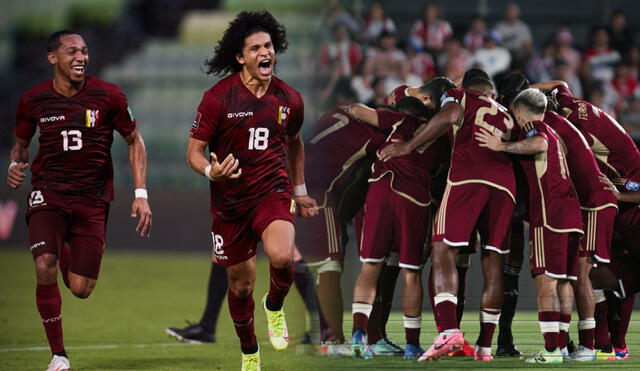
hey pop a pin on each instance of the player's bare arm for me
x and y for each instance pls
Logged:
(295, 158)
(631, 197)
(138, 162)
(214, 170)
(549, 85)
(19, 162)
(437, 126)
(528, 146)
(363, 113)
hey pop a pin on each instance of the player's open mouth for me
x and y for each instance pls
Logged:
(78, 70)
(265, 67)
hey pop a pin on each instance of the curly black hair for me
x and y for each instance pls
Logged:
(510, 86)
(244, 25)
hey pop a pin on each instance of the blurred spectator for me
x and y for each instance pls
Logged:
(516, 35)
(562, 71)
(541, 64)
(421, 64)
(340, 53)
(474, 38)
(376, 22)
(379, 93)
(624, 85)
(599, 58)
(385, 60)
(597, 98)
(632, 58)
(620, 36)
(630, 118)
(492, 57)
(454, 60)
(337, 14)
(565, 51)
(430, 32)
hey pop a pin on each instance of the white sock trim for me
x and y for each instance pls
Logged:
(549, 326)
(445, 296)
(586, 324)
(412, 322)
(599, 296)
(361, 308)
(451, 331)
(486, 317)
(564, 326)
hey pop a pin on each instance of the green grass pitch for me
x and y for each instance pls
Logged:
(121, 326)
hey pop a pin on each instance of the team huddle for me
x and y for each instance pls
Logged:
(440, 173)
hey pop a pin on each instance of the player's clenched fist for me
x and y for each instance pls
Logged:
(307, 206)
(217, 171)
(16, 174)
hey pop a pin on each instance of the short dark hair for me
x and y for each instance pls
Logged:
(413, 106)
(436, 87)
(54, 42)
(510, 86)
(472, 74)
(244, 25)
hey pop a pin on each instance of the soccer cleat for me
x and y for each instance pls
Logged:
(384, 347)
(546, 357)
(508, 350)
(59, 363)
(192, 334)
(482, 354)
(251, 362)
(359, 346)
(601, 355)
(621, 354)
(583, 354)
(466, 350)
(412, 352)
(336, 348)
(277, 326)
(443, 344)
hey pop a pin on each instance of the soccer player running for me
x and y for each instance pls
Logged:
(480, 193)
(554, 215)
(72, 177)
(252, 118)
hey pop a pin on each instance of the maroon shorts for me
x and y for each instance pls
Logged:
(627, 227)
(81, 222)
(598, 229)
(393, 220)
(474, 205)
(236, 241)
(554, 254)
(320, 238)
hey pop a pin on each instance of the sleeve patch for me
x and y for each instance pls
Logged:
(632, 186)
(531, 133)
(446, 98)
(130, 113)
(196, 121)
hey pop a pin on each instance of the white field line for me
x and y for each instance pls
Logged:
(106, 346)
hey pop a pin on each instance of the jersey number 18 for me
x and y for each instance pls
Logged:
(258, 138)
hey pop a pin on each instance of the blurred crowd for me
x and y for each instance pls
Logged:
(363, 56)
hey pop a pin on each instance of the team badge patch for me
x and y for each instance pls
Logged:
(283, 115)
(632, 186)
(91, 116)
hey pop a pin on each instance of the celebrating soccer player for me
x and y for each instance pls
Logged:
(72, 177)
(251, 121)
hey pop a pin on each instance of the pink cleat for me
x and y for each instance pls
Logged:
(442, 345)
(482, 354)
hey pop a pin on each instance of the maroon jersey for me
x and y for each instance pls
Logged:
(618, 156)
(74, 153)
(410, 174)
(582, 164)
(471, 163)
(233, 120)
(337, 142)
(552, 200)
(395, 96)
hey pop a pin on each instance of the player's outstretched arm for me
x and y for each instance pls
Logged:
(436, 127)
(138, 162)
(19, 158)
(631, 197)
(549, 85)
(528, 146)
(295, 157)
(363, 113)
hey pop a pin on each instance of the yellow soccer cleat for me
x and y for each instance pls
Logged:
(277, 326)
(251, 362)
(605, 356)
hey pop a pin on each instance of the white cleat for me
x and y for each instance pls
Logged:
(583, 354)
(59, 363)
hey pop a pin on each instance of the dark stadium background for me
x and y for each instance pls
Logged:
(154, 49)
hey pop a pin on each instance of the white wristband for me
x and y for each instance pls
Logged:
(12, 164)
(141, 193)
(207, 172)
(300, 190)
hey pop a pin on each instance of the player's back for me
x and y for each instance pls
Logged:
(610, 143)
(75, 136)
(582, 164)
(234, 121)
(471, 163)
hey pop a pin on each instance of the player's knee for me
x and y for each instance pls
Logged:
(281, 260)
(241, 288)
(46, 269)
(81, 288)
